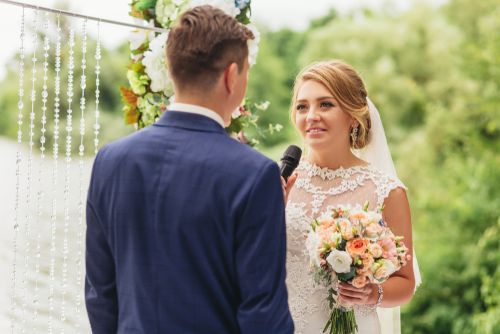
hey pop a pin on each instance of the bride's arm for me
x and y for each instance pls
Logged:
(399, 288)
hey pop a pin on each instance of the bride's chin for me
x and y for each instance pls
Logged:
(317, 144)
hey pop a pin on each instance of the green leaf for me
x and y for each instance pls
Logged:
(145, 4)
(344, 277)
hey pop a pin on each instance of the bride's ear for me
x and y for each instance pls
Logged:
(354, 123)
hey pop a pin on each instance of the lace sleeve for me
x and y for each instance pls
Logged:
(386, 184)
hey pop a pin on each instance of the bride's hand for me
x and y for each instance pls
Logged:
(288, 185)
(349, 295)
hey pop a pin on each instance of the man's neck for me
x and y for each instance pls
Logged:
(202, 102)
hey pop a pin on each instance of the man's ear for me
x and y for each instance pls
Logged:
(230, 77)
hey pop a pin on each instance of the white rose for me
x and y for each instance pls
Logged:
(253, 45)
(155, 67)
(339, 261)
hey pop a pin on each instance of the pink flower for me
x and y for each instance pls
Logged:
(346, 229)
(367, 261)
(373, 230)
(375, 250)
(388, 248)
(385, 270)
(359, 281)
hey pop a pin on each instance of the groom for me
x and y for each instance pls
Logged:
(185, 226)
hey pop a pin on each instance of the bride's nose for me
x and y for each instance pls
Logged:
(312, 115)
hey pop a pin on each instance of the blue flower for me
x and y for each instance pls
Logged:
(241, 4)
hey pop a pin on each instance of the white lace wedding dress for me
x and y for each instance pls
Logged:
(316, 190)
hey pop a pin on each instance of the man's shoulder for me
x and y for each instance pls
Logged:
(244, 155)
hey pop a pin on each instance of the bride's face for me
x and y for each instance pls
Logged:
(319, 118)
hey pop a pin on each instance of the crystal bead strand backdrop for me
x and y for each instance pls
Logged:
(41, 171)
(20, 106)
(55, 170)
(81, 152)
(28, 213)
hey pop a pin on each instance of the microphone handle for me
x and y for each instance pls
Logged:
(286, 170)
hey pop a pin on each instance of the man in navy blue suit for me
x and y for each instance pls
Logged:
(185, 225)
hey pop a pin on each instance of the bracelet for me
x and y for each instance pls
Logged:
(380, 296)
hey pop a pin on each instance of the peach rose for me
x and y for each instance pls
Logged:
(359, 281)
(357, 246)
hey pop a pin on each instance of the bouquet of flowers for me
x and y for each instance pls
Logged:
(352, 245)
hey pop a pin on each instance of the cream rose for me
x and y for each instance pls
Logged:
(339, 261)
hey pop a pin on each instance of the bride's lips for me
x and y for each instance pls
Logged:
(315, 131)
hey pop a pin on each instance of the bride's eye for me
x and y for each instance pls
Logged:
(326, 105)
(300, 107)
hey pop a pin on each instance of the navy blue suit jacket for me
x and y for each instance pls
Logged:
(185, 234)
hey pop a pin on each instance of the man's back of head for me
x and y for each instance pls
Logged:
(207, 58)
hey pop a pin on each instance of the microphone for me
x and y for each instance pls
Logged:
(290, 161)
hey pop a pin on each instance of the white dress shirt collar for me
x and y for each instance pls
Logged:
(194, 109)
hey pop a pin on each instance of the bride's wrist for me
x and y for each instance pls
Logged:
(379, 293)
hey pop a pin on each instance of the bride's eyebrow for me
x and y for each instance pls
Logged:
(317, 99)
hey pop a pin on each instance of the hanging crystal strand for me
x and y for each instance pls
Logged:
(55, 156)
(28, 216)
(67, 175)
(20, 106)
(40, 193)
(97, 126)
(81, 151)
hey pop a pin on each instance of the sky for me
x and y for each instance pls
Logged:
(276, 14)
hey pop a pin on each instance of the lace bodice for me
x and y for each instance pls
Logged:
(316, 190)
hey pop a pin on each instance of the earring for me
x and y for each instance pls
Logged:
(354, 136)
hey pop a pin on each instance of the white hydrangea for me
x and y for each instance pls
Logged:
(155, 67)
(227, 6)
(139, 36)
(167, 11)
(253, 45)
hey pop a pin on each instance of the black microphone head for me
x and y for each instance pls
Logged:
(290, 160)
(292, 155)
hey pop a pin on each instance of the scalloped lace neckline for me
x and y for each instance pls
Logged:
(329, 173)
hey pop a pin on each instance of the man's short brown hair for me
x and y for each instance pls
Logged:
(202, 44)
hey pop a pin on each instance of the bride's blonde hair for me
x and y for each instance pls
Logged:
(346, 86)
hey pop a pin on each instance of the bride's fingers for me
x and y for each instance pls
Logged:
(288, 185)
(346, 301)
(348, 287)
(291, 181)
(351, 294)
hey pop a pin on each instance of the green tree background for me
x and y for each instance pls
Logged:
(434, 74)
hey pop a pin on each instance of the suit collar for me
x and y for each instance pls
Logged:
(189, 121)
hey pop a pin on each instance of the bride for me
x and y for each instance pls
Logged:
(347, 162)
